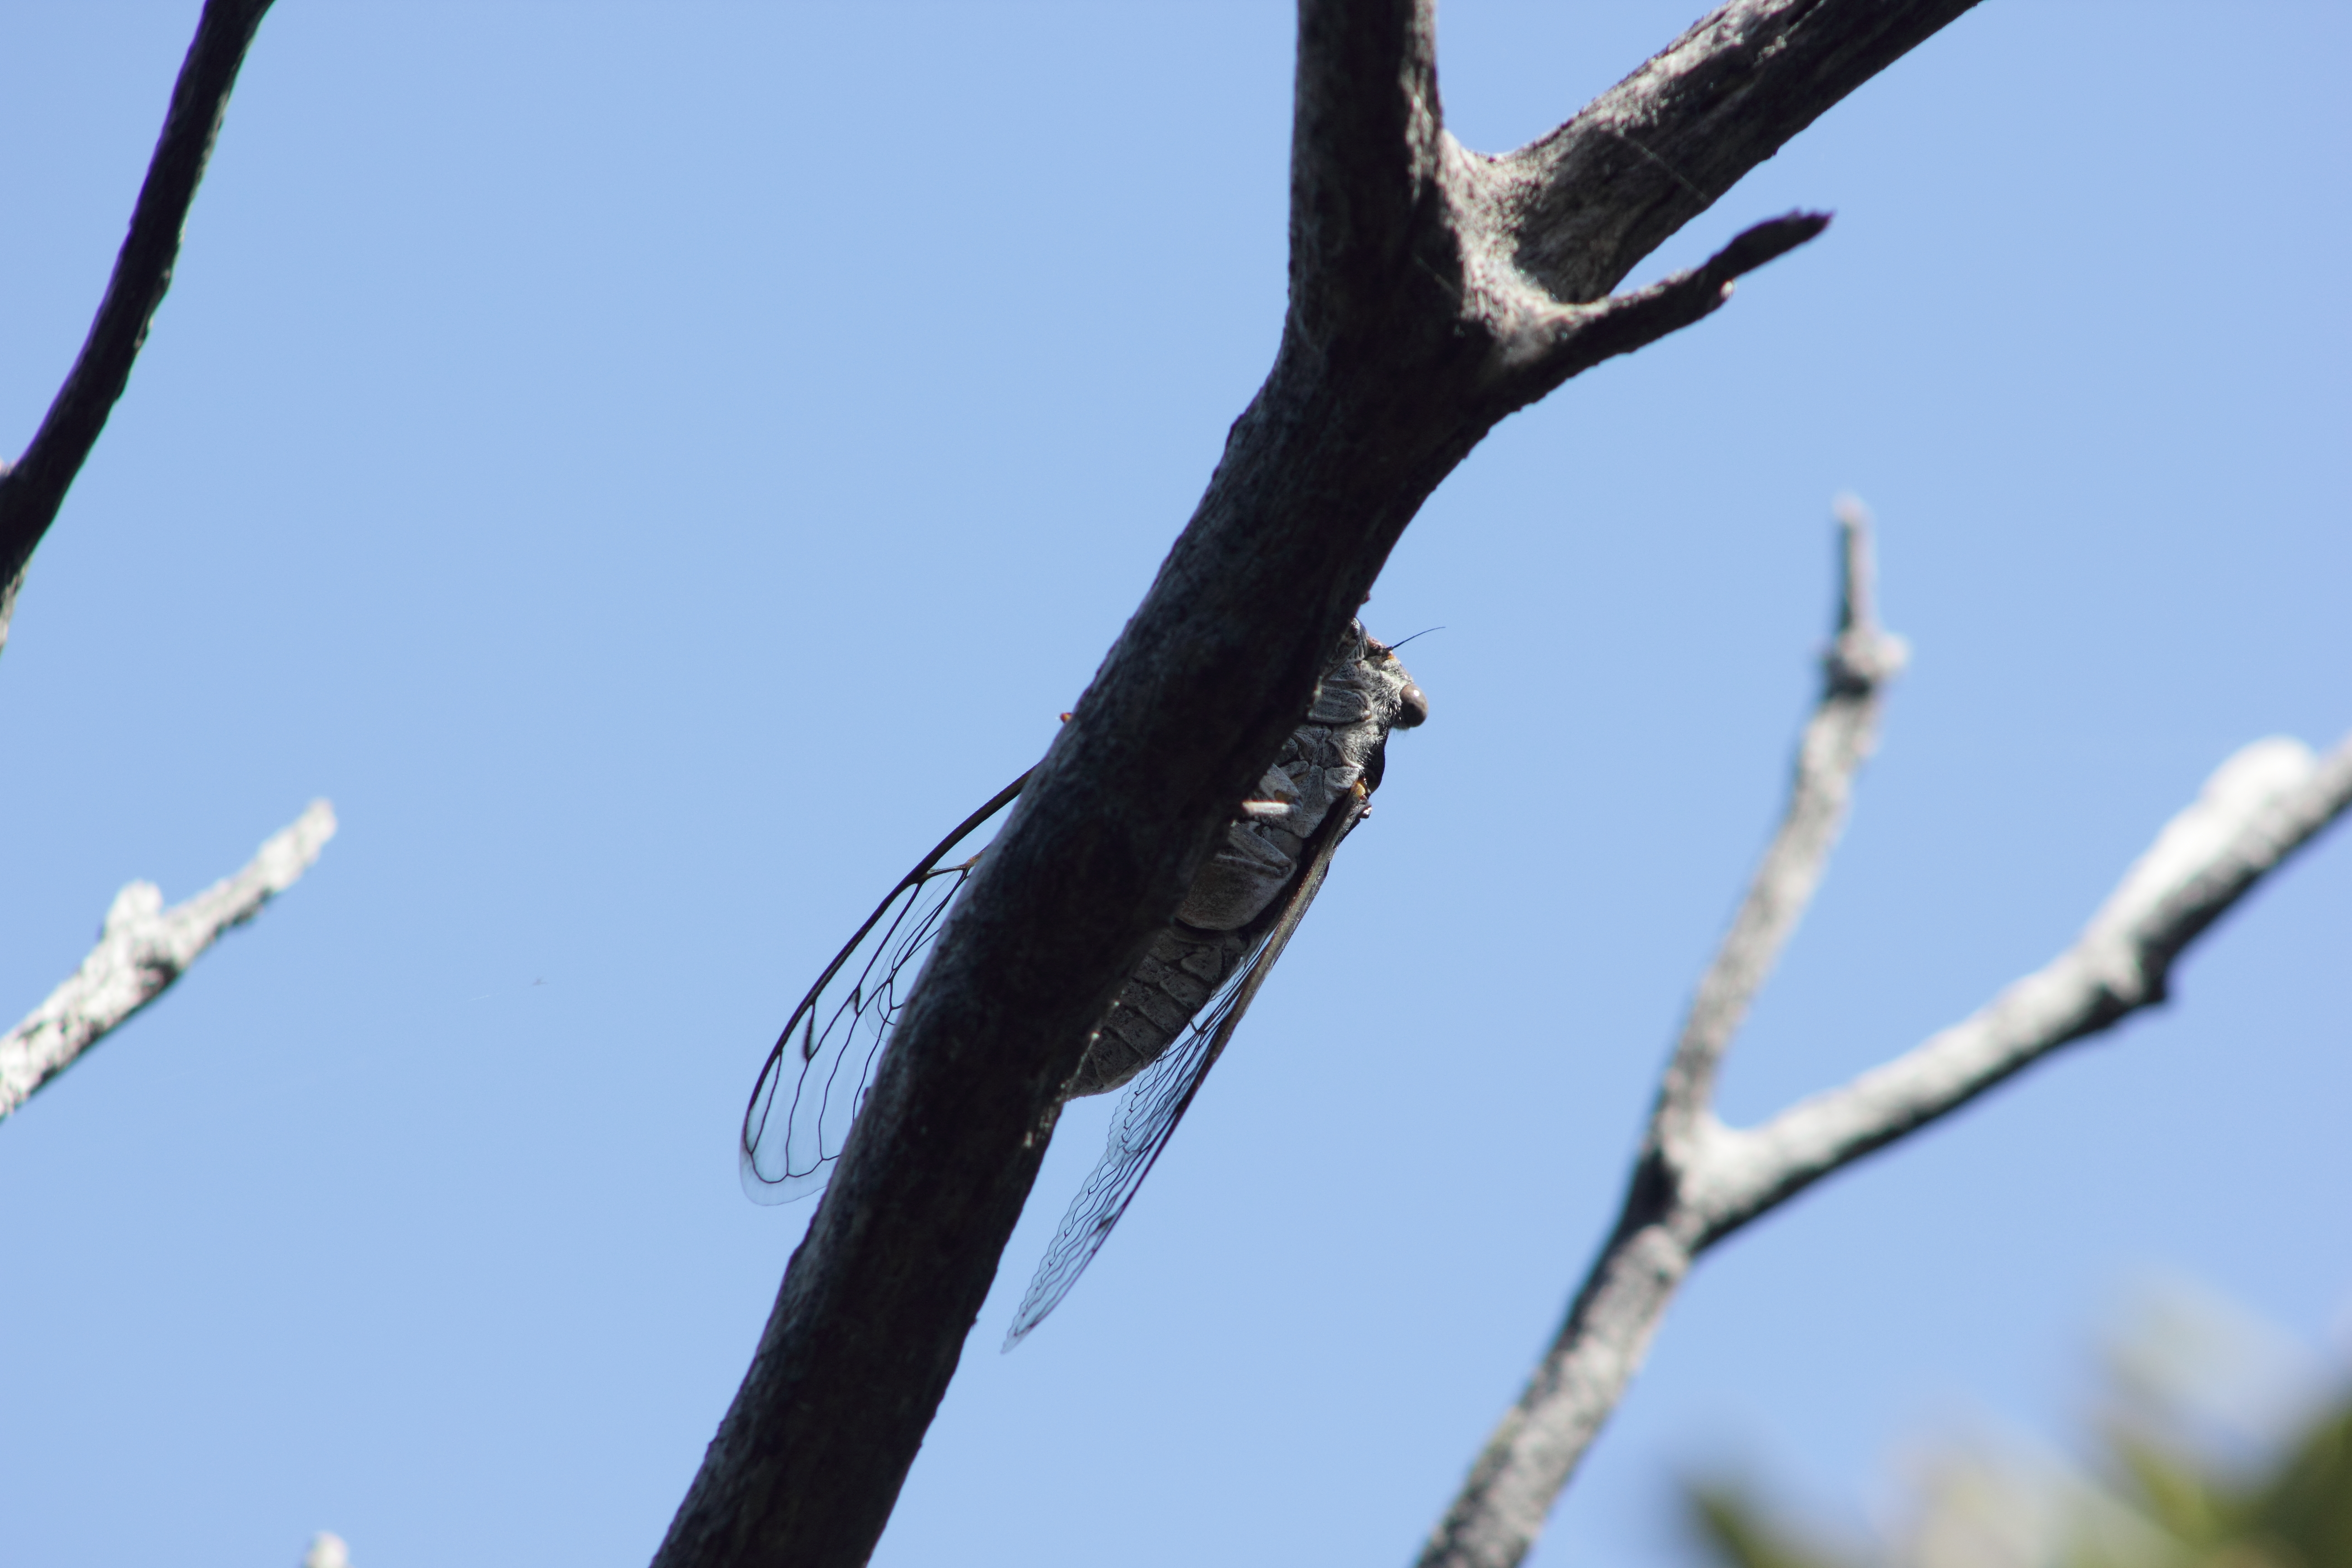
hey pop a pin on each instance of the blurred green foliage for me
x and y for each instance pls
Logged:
(2213, 1449)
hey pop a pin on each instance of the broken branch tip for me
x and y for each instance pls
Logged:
(1768, 241)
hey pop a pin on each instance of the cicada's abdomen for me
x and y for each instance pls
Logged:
(1364, 693)
(1183, 969)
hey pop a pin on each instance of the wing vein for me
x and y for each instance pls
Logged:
(1156, 1101)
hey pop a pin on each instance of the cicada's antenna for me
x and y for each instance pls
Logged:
(1423, 633)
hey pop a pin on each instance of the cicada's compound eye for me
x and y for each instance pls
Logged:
(1413, 707)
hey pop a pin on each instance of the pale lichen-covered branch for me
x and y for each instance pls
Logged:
(1697, 1179)
(142, 949)
(1837, 740)
(1501, 1508)
(2258, 808)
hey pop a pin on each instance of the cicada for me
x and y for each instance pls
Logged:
(1173, 1015)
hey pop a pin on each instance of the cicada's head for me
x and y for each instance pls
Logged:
(1410, 704)
(1394, 700)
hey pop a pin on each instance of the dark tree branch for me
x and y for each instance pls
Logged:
(1645, 158)
(1581, 336)
(1412, 330)
(32, 490)
(1696, 1181)
(1364, 150)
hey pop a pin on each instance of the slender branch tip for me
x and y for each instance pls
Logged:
(1766, 242)
(1864, 654)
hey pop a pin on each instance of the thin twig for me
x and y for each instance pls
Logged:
(1697, 1180)
(2258, 808)
(1502, 1506)
(35, 487)
(1837, 740)
(142, 949)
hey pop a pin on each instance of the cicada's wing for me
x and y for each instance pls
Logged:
(816, 1079)
(1148, 1113)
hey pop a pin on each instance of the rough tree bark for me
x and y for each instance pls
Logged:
(1695, 1181)
(1433, 291)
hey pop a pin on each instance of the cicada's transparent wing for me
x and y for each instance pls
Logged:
(815, 1077)
(1156, 1101)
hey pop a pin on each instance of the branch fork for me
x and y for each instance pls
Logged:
(1696, 1180)
(1433, 291)
(1386, 203)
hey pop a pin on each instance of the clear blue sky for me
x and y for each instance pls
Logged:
(654, 468)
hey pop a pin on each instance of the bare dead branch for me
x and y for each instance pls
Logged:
(1502, 1506)
(1364, 151)
(1581, 336)
(2258, 808)
(1697, 1180)
(142, 949)
(1837, 740)
(1413, 329)
(1645, 158)
(35, 487)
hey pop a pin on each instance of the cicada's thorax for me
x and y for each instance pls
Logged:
(1364, 692)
